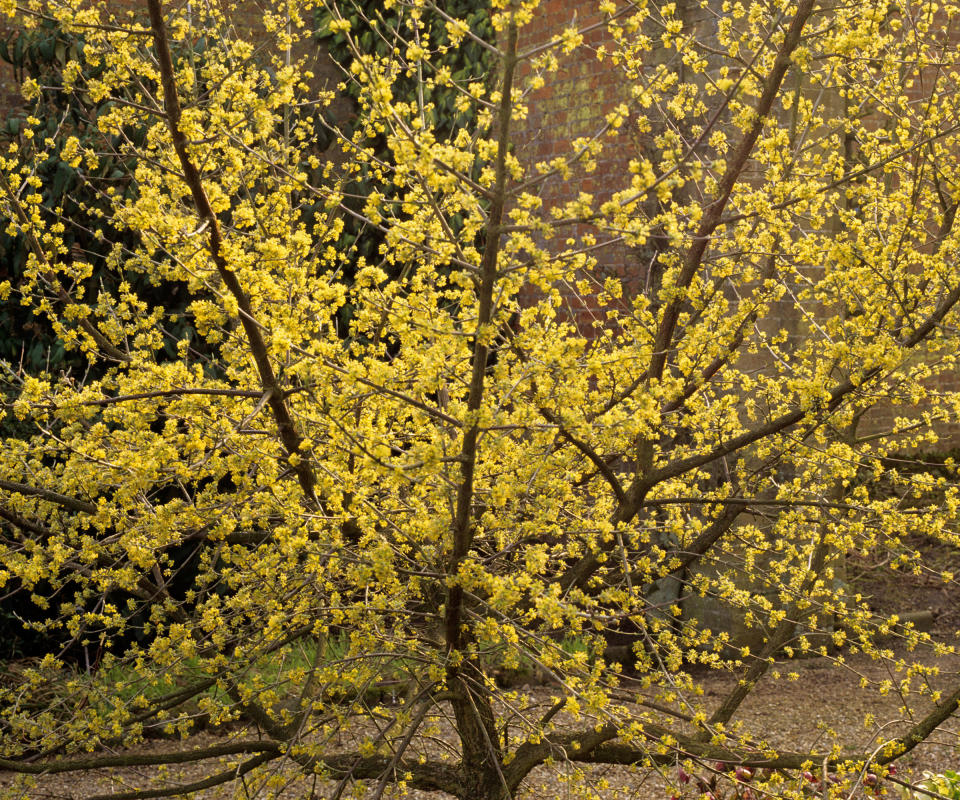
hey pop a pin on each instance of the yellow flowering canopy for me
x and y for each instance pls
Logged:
(363, 495)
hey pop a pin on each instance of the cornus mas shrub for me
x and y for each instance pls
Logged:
(468, 476)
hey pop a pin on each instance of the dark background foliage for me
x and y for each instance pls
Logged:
(374, 30)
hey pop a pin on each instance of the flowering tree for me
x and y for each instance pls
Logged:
(346, 531)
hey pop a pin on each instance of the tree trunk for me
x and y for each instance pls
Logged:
(482, 752)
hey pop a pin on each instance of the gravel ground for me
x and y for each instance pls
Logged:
(824, 703)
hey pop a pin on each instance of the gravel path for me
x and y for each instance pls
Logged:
(822, 704)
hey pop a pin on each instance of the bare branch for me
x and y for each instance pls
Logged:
(66, 501)
(185, 789)
(140, 759)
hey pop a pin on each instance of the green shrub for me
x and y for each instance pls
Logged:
(946, 784)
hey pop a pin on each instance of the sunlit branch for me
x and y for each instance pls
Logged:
(71, 503)
(714, 211)
(286, 428)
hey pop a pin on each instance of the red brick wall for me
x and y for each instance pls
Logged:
(573, 103)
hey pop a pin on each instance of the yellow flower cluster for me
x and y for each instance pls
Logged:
(478, 445)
